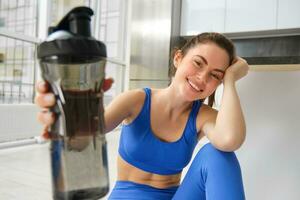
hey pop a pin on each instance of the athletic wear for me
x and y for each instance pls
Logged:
(142, 149)
(213, 175)
(130, 191)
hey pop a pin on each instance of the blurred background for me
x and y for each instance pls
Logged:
(140, 35)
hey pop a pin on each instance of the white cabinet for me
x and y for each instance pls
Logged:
(250, 15)
(229, 16)
(288, 14)
(202, 15)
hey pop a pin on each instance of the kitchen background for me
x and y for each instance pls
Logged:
(139, 35)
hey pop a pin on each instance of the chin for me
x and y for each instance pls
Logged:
(191, 95)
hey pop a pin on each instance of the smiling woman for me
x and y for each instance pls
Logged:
(213, 44)
(161, 128)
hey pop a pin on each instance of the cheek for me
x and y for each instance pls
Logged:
(182, 73)
(211, 87)
(186, 67)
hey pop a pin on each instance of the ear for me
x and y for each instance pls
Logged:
(177, 58)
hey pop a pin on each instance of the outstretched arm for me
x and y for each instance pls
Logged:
(118, 110)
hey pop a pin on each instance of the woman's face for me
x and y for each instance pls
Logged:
(200, 71)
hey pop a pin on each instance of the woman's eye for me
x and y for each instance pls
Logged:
(216, 77)
(199, 64)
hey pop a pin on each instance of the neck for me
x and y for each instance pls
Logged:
(173, 103)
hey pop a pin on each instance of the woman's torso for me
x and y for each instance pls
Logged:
(162, 123)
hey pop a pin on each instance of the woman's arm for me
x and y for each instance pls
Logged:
(122, 108)
(226, 129)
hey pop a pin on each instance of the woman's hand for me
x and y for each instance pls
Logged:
(237, 70)
(45, 99)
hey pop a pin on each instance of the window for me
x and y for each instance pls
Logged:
(18, 40)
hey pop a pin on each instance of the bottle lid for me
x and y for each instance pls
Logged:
(71, 41)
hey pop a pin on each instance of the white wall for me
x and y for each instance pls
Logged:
(18, 121)
(270, 158)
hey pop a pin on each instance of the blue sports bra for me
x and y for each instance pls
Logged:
(142, 149)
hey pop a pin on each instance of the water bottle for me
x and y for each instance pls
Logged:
(73, 63)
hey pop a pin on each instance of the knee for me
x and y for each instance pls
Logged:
(211, 157)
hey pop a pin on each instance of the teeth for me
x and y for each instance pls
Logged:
(194, 86)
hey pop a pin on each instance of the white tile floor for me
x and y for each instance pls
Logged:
(25, 171)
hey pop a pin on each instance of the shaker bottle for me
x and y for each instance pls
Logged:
(73, 62)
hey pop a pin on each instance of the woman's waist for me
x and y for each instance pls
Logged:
(160, 184)
(128, 172)
(132, 190)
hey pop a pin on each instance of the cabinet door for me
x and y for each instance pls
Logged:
(250, 15)
(202, 16)
(288, 14)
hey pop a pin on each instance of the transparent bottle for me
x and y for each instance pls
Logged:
(73, 63)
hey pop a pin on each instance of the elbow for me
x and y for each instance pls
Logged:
(231, 143)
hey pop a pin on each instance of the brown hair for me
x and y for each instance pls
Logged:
(204, 38)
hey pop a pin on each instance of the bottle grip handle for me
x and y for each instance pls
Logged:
(59, 126)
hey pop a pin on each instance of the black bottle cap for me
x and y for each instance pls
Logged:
(74, 44)
(77, 21)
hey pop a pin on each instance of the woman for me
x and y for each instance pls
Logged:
(161, 128)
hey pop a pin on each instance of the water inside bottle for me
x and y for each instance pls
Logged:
(79, 159)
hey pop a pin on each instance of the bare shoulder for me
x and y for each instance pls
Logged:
(135, 100)
(123, 108)
(133, 97)
(127, 104)
(129, 99)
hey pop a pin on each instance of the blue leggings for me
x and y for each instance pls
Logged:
(213, 175)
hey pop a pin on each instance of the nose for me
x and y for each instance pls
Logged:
(202, 77)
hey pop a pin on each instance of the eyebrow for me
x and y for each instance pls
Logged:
(219, 70)
(205, 61)
(202, 58)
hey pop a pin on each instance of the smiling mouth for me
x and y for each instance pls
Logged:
(195, 87)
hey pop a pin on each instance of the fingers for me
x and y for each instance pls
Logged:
(237, 70)
(107, 84)
(42, 87)
(240, 59)
(45, 100)
(45, 117)
(236, 60)
(45, 134)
